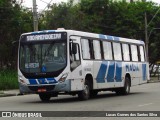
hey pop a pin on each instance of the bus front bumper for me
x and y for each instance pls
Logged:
(59, 87)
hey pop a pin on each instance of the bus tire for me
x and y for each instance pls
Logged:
(93, 93)
(44, 97)
(85, 93)
(126, 89)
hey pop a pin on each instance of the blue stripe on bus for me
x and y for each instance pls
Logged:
(36, 32)
(51, 80)
(109, 37)
(118, 75)
(102, 36)
(32, 81)
(116, 38)
(46, 31)
(141, 42)
(101, 73)
(144, 71)
(50, 31)
(111, 69)
(42, 81)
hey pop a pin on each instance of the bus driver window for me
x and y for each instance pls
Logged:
(74, 56)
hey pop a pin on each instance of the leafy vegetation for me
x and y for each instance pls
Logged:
(14, 20)
(8, 79)
(113, 18)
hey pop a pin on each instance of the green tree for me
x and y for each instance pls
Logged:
(108, 17)
(14, 20)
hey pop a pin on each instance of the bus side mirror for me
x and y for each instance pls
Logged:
(74, 48)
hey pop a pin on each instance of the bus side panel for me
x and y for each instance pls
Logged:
(144, 73)
(137, 71)
(77, 82)
(100, 75)
(108, 74)
(148, 75)
(87, 69)
(134, 70)
(119, 74)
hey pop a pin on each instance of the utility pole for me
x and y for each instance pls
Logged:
(146, 31)
(146, 35)
(35, 16)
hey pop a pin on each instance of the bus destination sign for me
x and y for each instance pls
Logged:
(44, 37)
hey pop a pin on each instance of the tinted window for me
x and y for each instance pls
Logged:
(40, 57)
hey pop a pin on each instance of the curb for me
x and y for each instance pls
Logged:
(153, 81)
(9, 93)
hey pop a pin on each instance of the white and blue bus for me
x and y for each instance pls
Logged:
(72, 62)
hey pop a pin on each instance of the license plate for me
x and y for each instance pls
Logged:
(41, 90)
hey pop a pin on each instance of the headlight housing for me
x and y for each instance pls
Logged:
(63, 77)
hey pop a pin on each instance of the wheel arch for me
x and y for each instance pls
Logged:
(89, 79)
(128, 76)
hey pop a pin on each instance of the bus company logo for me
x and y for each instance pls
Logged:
(132, 67)
(6, 114)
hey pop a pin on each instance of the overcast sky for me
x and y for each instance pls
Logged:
(41, 4)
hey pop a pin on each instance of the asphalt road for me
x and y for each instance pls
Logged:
(144, 97)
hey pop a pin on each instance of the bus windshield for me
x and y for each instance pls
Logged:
(43, 57)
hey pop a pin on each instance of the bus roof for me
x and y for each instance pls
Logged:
(88, 34)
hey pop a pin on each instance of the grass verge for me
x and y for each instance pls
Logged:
(8, 79)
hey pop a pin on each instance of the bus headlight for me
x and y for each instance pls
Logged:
(22, 81)
(63, 78)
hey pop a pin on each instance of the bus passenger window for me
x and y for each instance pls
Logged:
(126, 55)
(107, 48)
(117, 51)
(134, 53)
(142, 53)
(85, 49)
(97, 49)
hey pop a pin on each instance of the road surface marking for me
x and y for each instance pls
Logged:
(145, 104)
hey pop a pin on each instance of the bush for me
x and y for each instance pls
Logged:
(8, 79)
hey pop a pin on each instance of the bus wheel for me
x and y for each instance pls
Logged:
(126, 89)
(85, 93)
(44, 97)
(93, 93)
